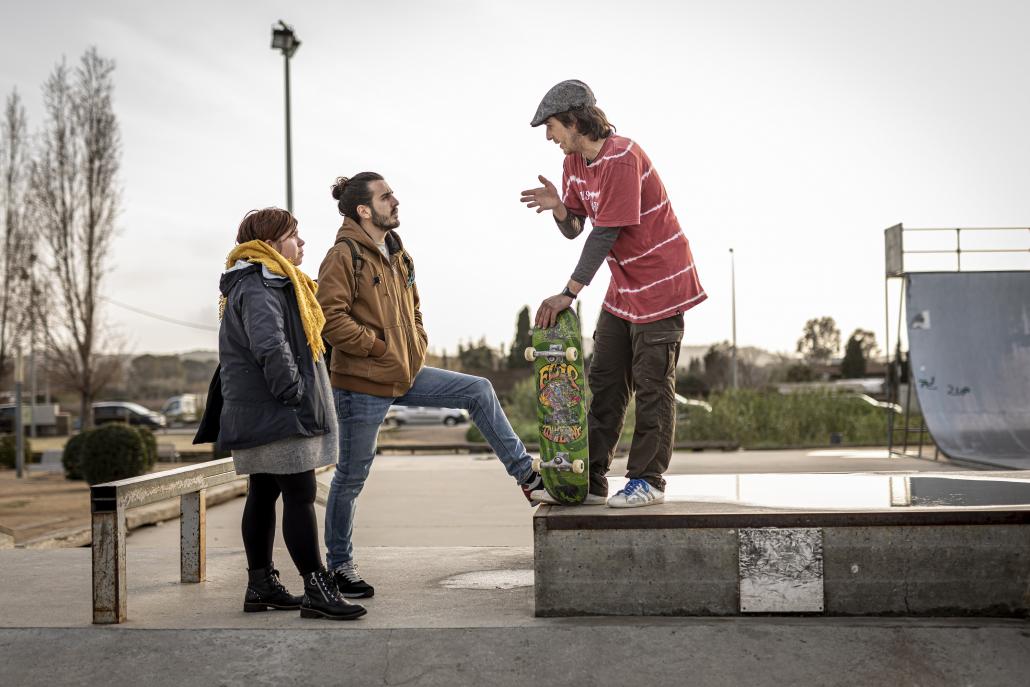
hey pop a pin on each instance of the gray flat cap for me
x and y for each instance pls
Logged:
(565, 96)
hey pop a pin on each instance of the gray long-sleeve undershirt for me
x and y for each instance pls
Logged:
(599, 242)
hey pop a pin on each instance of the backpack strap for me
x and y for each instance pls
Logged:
(357, 259)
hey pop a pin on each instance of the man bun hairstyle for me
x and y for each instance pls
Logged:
(589, 120)
(350, 192)
(269, 224)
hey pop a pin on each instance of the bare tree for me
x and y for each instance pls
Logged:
(76, 196)
(16, 264)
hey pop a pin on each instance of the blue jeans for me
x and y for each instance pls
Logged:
(360, 417)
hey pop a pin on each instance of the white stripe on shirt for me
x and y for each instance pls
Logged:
(568, 185)
(656, 283)
(612, 157)
(648, 251)
(631, 316)
(656, 207)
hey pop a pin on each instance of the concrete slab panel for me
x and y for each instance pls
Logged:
(781, 570)
(941, 571)
(636, 572)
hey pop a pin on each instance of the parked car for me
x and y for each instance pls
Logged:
(7, 418)
(124, 411)
(182, 409)
(402, 415)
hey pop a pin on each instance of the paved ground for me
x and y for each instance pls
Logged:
(447, 541)
(468, 500)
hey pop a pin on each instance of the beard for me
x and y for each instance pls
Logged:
(385, 222)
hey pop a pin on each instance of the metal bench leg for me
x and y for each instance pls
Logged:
(109, 567)
(193, 536)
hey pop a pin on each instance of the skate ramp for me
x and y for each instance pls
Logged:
(969, 343)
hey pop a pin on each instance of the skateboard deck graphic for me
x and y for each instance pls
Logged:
(557, 356)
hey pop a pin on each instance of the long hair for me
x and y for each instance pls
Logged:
(589, 120)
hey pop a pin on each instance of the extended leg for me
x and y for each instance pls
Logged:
(448, 389)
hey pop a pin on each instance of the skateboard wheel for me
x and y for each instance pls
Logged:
(530, 354)
(536, 464)
(577, 465)
(571, 354)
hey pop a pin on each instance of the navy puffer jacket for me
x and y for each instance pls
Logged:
(269, 390)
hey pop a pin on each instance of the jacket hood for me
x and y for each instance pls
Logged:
(353, 231)
(232, 276)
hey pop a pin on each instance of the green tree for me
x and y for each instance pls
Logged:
(523, 340)
(718, 366)
(692, 382)
(861, 344)
(478, 358)
(820, 340)
(800, 372)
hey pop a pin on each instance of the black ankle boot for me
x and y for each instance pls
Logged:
(265, 591)
(323, 600)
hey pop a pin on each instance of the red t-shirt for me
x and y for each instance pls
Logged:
(653, 274)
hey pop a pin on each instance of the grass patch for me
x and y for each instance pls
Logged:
(754, 419)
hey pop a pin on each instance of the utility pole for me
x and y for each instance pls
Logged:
(733, 296)
(19, 428)
(33, 377)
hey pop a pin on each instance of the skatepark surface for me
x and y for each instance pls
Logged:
(447, 541)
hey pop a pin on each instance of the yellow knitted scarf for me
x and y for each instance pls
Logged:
(311, 315)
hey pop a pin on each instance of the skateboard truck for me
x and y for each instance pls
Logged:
(554, 353)
(560, 462)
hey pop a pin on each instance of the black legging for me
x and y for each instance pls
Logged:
(300, 528)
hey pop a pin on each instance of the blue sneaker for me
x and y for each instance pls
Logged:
(636, 493)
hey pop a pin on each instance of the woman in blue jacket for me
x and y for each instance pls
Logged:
(277, 416)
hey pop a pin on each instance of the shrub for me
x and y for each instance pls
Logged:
(770, 420)
(71, 458)
(150, 444)
(113, 452)
(8, 452)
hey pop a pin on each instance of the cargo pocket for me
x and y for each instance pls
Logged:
(657, 354)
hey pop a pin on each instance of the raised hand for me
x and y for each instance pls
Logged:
(542, 198)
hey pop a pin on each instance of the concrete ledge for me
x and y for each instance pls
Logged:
(688, 557)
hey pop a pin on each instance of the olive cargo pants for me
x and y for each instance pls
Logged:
(639, 359)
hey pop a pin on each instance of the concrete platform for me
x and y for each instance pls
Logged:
(453, 607)
(437, 620)
(947, 544)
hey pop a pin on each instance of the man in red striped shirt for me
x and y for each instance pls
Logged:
(609, 180)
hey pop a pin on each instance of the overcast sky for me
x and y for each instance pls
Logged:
(793, 132)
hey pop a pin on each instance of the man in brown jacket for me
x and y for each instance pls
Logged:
(367, 290)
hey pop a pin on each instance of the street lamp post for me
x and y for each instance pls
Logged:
(733, 296)
(285, 40)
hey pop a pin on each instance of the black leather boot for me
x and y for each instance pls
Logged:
(323, 600)
(265, 591)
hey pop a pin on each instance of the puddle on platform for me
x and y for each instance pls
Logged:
(847, 491)
(490, 579)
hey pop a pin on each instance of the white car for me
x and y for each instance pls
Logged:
(402, 415)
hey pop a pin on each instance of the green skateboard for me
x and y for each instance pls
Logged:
(561, 409)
